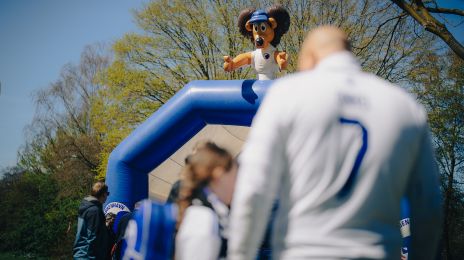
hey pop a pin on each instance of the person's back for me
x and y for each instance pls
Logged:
(92, 237)
(341, 147)
(355, 120)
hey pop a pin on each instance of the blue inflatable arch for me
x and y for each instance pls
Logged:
(225, 102)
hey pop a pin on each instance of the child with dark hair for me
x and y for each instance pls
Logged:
(210, 172)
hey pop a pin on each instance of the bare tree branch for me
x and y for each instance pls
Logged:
(445, 11)
(421, 14)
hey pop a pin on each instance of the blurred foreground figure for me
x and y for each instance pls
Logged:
(340, 148)
(208, 183)
(200, 211)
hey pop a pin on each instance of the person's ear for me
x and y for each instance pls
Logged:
(249, 26)
(273, 23)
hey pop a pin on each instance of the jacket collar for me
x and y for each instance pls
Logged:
(344, 60)
(93, 200)
(90, 198)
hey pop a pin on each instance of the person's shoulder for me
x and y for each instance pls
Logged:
(199, 220)
(93, 210)
(399, 95)
(293, 79)
(377, 82)
(202, 212)
(284, 91)
(281, 86)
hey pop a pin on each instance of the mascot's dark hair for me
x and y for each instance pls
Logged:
(278, 12)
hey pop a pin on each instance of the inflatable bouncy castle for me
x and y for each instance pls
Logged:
(160, 144)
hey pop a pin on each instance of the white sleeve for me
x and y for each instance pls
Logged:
(198, 236)
(425, 202)
(261, 166)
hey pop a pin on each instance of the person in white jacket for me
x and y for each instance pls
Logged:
(340, 148)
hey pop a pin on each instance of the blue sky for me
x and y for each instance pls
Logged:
(454, 22)
(36, 39)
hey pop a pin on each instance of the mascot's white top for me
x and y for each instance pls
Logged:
(263, 62)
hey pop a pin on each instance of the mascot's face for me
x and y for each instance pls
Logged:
(264, 28)
(263, 32)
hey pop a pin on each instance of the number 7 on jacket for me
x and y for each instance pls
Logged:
(359, 157)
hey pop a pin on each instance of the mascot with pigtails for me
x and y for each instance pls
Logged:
(264, 29)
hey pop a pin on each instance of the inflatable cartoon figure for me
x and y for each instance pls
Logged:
(265, 30)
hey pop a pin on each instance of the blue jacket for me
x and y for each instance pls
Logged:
(92, 237)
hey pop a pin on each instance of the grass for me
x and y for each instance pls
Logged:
(18, 256)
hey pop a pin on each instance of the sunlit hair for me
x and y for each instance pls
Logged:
(99, 189)
(198, 171)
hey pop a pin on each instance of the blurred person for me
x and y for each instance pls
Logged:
(119, 227)
(265, 251)
(175, 188)
(109, 219)
(174, 192)
(93, 239)
(340, 148)
(210, 172)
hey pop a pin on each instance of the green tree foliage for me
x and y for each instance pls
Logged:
(439, 84)
(61, 138)
(26, 199)
(59, 161)
(382, 39)
(183, 41)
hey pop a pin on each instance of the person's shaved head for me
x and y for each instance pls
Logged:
(320, 43)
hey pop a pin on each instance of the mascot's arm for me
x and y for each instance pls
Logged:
(239, 61)
(282, 59)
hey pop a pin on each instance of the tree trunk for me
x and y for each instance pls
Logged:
(448, 212)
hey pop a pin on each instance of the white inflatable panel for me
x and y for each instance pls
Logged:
(161, 178)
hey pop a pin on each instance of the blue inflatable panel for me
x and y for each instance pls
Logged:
(150, 232)
(225, 102)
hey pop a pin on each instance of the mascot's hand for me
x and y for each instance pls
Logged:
(282, 60)
(228, 63)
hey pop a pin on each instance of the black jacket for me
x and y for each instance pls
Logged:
(120, 232)
(92, 238)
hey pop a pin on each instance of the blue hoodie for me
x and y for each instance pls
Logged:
(92, 237)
